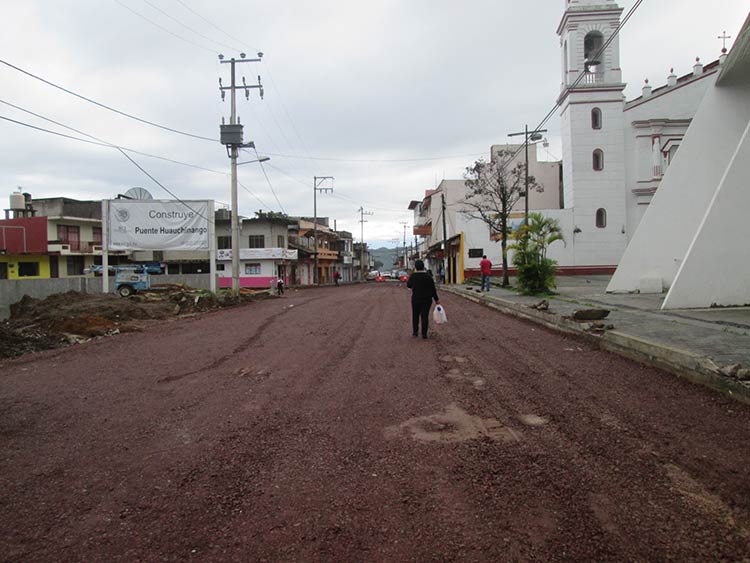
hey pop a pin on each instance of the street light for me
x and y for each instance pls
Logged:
(261, 159)
(535, 135)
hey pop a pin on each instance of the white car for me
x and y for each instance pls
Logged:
(371, 275)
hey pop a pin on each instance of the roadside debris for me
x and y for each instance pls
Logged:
(74, 317)
(543, 305)
(590, 314)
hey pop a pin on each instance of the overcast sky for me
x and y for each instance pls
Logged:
(388, 97)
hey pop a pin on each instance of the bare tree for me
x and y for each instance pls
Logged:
(494, 188)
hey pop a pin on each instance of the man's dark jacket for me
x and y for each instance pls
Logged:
(422, 287)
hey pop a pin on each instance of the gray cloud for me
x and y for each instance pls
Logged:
(352, 80)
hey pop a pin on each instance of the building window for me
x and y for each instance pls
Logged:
(598, 160)
(596, 118)
(252, 269)
(75, 265)
(28, 269)
(97, 233)
(256, 241)
(280, 241)
(195, 267)
(601, 218)
(70, 235)
(476, 252)
(224, 242)
(219, 267)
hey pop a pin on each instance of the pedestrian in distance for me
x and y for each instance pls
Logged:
(441, 274)
(486, 267)
(423, 293)
(280, 286)
(336, 277)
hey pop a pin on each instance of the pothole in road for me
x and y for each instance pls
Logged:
(532, 419)
(452, 425)
(455, 374)
(457, 359)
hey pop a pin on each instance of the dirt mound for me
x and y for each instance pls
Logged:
(64, 318)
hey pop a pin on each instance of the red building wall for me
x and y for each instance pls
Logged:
(25, 235)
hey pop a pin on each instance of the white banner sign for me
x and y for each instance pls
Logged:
(258, 254)
(158, 225)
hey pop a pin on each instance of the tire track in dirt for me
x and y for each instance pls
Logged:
(574, 448)
(260, 330)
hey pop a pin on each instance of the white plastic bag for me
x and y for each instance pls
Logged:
(438, 315)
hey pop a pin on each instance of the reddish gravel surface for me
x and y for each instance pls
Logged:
(315, 428)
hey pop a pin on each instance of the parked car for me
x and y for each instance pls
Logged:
(403, 276)
(372, 274)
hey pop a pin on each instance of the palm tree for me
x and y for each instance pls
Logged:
(543, 231)
(536, 272)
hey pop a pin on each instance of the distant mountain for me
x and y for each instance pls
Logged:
(385, 255)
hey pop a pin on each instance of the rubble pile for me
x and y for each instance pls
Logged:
(74, 317)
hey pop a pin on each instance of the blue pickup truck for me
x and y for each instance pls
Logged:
(130, 278)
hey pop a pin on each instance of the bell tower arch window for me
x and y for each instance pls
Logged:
(596, 118)
(597, 159)
(592, 44)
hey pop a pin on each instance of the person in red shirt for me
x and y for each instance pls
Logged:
(486, 266)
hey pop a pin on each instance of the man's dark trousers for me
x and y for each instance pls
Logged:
(420, 309)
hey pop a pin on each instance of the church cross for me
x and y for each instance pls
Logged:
(724, 38)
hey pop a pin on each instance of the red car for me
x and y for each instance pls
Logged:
(403, 276)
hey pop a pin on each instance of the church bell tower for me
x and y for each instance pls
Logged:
(592, 128)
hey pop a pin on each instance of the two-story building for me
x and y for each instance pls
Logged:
(51, 238)
(265, 255)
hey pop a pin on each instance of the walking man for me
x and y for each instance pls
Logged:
(423, 292)
(486, 266)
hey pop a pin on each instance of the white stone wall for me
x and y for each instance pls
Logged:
(688, 189)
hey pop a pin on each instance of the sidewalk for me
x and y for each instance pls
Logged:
(693, 343)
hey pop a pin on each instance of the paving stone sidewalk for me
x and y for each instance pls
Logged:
(695, 343)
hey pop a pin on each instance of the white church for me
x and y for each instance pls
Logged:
(648, 185)
(615, 151)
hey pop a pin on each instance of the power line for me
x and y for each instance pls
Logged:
(130, 116)
(198, 33)
(101, 143)
(269, 181)
(584, 72)
(165, 29)
(270, 75)
(211, 23)
(374, 160)
(105, 143)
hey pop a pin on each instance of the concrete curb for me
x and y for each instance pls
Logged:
(683, 363)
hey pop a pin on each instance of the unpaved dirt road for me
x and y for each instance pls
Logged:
(315, 428)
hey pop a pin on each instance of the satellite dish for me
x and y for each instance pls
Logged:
(138, 193)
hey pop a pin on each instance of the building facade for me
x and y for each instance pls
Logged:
(615, 151)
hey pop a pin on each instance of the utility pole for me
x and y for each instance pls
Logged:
(316, 189)
(447, 263)
(362, 222)
(535, 136)
(406, 256)
(231, 137)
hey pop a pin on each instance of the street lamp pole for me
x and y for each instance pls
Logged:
(316, 189)
(534, 136)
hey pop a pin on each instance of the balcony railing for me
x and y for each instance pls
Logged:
(592, 79)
